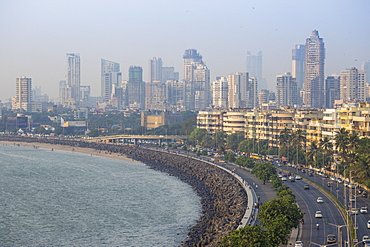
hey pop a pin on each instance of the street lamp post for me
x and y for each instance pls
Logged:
(339, 232)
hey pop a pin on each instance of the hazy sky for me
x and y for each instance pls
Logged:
(35, 36)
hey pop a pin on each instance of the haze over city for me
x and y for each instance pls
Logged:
(36, 35)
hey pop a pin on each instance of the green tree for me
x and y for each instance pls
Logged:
(279, 216)
(233, 140)
(245, 161)
(230, 156)
(264, 171)
(249, 236)
(197, 135)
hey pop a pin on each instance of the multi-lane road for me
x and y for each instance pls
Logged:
(344, 194)
(331, 217)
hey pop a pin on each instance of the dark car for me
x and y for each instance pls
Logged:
(306, 187)
(364, 194)
(331, 238)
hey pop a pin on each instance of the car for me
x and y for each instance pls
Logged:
(352, 199)
(368, 224)
(364, 194)
(332, 178)
(365, 238)
(298, 244)
(306, 187)
(298, 177)
(354, 211)
(318, 214)
(339, 180)
(351, 185)
(363, 210)
(331, 238)
(319, 200)
(367, 243)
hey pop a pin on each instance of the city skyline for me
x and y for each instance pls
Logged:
(35, 45)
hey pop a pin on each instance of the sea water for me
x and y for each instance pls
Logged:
(60, 198)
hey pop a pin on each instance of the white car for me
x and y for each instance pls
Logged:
(318, 214)
(298, 177)
(298, 244)
(319, 200)
(363, 210)
(354, 211)
(368, 224)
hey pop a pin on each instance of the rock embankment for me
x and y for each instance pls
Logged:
(222, 197)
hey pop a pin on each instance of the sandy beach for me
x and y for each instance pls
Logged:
(90, 151)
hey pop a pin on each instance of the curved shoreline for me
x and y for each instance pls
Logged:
(223, 199)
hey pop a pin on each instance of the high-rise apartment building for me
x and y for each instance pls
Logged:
(197, 77)
(313, 88)
(135, 89)
(366, 66)
(110, 75)
(155, 70)
(286, 90)
(254, 68)
(219, 88)
(190, 57)
(253, 95)
(239, 91)
(23, 93)
(73, 76)
(352, 85)
(298, 64)
(156, 96)
(332, 90)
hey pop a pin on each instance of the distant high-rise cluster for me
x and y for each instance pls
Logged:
(304, 87)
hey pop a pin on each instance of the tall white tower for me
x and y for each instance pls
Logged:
(73, 76)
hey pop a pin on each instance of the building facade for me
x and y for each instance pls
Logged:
(110, 75)
(23, 93)
(352, 85)
(286, 90)
(313, 88)
(74, 76)
(298, 65)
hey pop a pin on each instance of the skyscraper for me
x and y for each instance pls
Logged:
(286, 90)
(197, 77)
(298, 63)
(239, 91)
(135, 89)
(110, 75)
(155, 69)
(190, 57)
(352, 85)
(332, 90)
(168, 73)
(313, 88)
(73, 76)
(254, 68)
(23, 93)
(366, 66)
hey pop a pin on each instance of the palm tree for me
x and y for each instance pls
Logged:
(327, 147)
(312, 152)
(362, 167)
(299, 138)
(341, 146)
